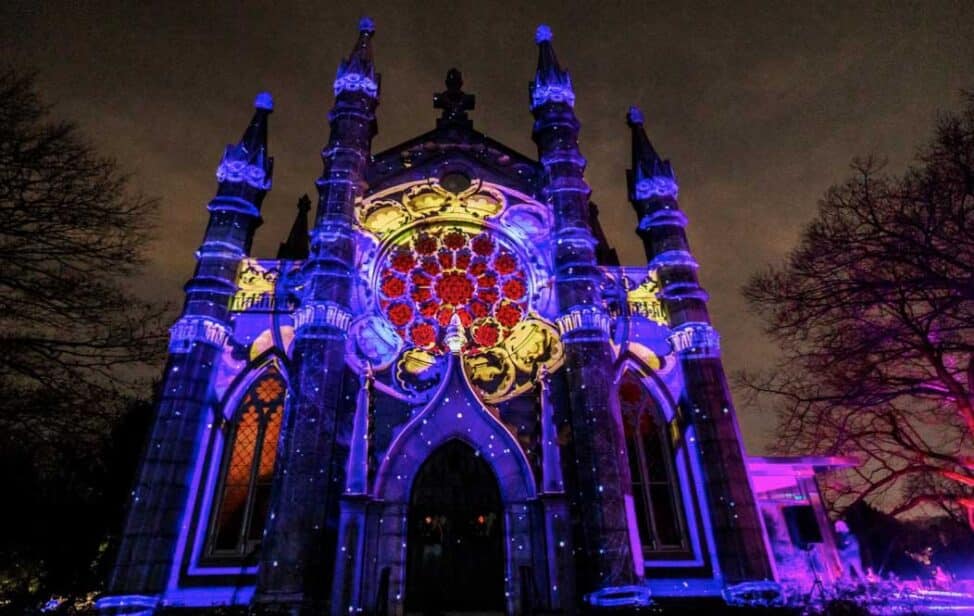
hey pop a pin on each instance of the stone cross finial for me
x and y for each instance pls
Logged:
(454, 102)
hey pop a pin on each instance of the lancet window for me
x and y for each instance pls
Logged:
(655, 489)
(243, 492)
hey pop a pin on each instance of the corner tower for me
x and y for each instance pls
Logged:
(297, 555)
(599, 490)
(705, 399)
(147, 563)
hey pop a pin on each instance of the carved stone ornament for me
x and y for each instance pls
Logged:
(236, 167)
(325, 314)
(355, 82)
(552, 93)
(584, 318)
(659, 186)
(190, 330)
(696, 340)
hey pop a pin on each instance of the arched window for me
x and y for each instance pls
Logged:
(248, 468)
(659, 513)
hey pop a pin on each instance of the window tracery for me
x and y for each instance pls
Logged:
(449, 270)
(248, 468)
(659, 513)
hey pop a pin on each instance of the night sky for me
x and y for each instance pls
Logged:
(760, 106)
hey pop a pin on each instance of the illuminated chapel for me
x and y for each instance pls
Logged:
(445, 394)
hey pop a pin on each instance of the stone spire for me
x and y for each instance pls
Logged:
(711, 423)
(603, 558)
(295, 248)
(157, 514)
(246, 167)
(551, 84)
(650, 175)
(357, 72)
(298, 555)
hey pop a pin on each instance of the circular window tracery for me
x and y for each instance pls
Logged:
(446, 271)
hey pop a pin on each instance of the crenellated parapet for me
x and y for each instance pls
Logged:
(190, 331)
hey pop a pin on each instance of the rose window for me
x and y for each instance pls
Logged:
(445, 271)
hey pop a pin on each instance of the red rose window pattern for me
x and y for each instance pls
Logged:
(447, 271)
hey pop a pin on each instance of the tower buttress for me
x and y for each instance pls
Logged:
(298, 553)
(147, 558)
(706, 401)
(599, 492)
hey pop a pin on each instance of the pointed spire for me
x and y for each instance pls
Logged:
(357, 72)
(551, 84)
(248, 160)
(296, 247)
(650, 176)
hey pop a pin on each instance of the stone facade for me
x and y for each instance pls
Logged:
(454, 296)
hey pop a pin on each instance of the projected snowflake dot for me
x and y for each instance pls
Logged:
(451, 270)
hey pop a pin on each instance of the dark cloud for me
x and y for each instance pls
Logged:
(760, 106)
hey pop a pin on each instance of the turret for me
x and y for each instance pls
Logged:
(243, 180)
(653, 192)
(160, 503)
(707, 412)
(345, 158)
(298, 556)
(600, 484)
(551, 84)
(245, 170)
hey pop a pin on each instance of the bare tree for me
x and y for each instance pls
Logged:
(72, 336)
(874, 313)
(71, 234)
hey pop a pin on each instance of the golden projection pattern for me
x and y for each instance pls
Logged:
(260, 286)
(643, 299)
(503, 371)
(383, 217)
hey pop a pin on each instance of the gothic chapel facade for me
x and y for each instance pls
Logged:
(444, 393)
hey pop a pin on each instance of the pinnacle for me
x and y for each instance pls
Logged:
(366, 25)
(543, 34)
(635, 116)
(264, 101)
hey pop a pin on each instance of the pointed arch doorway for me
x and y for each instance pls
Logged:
(455, 558)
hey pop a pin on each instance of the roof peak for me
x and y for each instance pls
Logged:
(264, 101)
(635, 116)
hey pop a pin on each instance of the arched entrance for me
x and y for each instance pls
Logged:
(455, 543)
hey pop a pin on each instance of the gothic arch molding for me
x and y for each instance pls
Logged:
(272, 357)
(647, 376)
(473, 424)
(683, 454)
(214, 455)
